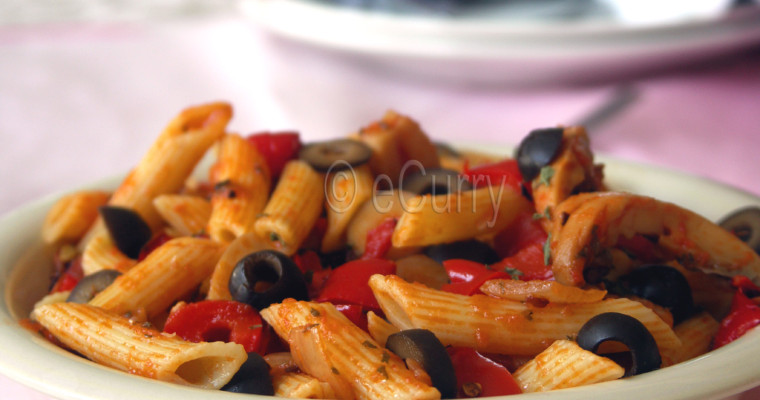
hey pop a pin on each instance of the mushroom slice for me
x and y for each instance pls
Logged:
(584, 227)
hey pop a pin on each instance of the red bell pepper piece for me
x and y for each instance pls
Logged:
(347, 284)
(355, 313)
(501, 173)
(478, 376)
(379, 239)
(527, 264)
(523, 232)
(311, 267)
(277, 148)
(72, 274)
(467, 276)
(744, 314)
(220, 320)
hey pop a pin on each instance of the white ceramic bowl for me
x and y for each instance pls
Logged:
(31, 360)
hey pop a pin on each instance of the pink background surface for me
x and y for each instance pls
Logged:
(80, 102)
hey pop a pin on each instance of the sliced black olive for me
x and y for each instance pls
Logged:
(91, 285)
(266, 277)
(473, 250)
(745, 224)
(335, 155)
(422, 346)
(435, 181)
(252, 377)
(664, 286)
(128, 230)
(627, 330)
(537, 150)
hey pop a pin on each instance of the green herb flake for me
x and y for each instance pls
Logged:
(335, 371)
(254, 327)
(381, 369)
(514, 273)
(273, 236)
(548, 250)
(472, 389)
(386, 357)
(545, 176)
(528, 315)
(368, 344)
(222, 184)
(314, 312)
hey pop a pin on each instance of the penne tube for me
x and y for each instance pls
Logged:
(185, 214)
(496, 325)
(564, 364)
(168, 273)
(326, 345)
(383, 205)
(379, 328)
(241, 181)
(101, 253)
(429, 219)
(242, 246)
(165, 167)
(346, 191)
(293, 208)
(114, 341)
(72, 215)
(551, 291)
(294, 385)
(696, 335)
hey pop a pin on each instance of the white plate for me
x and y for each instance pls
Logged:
(478, 49)
(29, 359)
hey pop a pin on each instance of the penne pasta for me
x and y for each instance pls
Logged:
(101, 253)
(346, 191)
(379, 328)
(564, 364)
(185, 214)
(168, 273)
(294, 385)
(293, 208)
(112, 340)
(550, 291)
(72, 215)
(696, 334)
(428, 219)
(326, 345)
(496, 325)
(241, 182)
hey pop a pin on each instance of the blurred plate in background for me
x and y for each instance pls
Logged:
(508, 44)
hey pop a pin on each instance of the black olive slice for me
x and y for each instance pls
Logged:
(265, 277)
(91, 285)
(473, 250)
(335, 155)
(664, 286)
(422, 346)
(537, 150)
(627, 330)
(252, 377)
(434, 181)
(745, 224)
(128, 230)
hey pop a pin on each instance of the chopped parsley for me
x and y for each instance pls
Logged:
(545, 176)
(368, 344)
(548, 249)
(514, 273)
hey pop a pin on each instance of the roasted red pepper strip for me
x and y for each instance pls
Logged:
(70, 276)
(220, 320)
(277, 148)
(501, 173)
(347, 284)
(478, 376)
(527, 264)
(744, 314)
(467, 276)
(355, 313)
(524, 231)
(379, 239)
(311, 267)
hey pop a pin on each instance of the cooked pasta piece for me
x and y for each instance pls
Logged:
(696, 335)
(186, 214)
(551, 291)
(72, 215)
(101, 253)
(431, 219)
(114, 341)
(241, 181)
(564, 365)
(326, 345)
(242, 246)
(379, 328)
(376, 210)
(346, 191)
(496, 325)
(165, 166)
(295, 385)
(293, 208)
(168, 273)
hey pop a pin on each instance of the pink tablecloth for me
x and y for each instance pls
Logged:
(83, 102)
